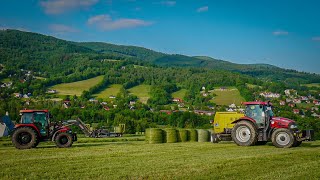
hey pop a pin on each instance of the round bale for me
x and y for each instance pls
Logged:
(155, 135)
(171, 135)
(182, 135)
(203, 135)
(193, 135)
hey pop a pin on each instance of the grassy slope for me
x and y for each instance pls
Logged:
(76, 88)
(111, 90)
(142, 92)
(227, 97)
(179, 94)
(137, 160)
(312, 85)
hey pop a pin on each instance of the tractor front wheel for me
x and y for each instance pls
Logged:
(63, 140)
(282, 138)
(244, 133)
(24, 138)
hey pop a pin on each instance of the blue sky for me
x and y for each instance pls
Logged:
(285, 33)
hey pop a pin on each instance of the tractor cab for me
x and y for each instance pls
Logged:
(40, 118)
(261, 112)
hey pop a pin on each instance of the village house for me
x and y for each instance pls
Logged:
(208, 113)
(112, 97)
(177, 100)
(270, 95)
(52, 91)
(282, 103)
(232, 106)
(93, 100)
(304, 98)
(66, 104)
(18, 95)
(297, 101)
(296, 111)
(132, 102)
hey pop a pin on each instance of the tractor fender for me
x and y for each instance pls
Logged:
(244, 119)
(57, 132)
(34, 127)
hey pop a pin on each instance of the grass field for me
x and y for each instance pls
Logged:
(91, 159)
(142, 92)
(76, 88)
(111, 90)
(6, 80)
(312, 85)
(179, 94)
(228, 96)
(251, 86)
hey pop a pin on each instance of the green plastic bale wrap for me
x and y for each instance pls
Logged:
(182, 135)
(155, 135)
(171, 135)
(147, 135)
(203, 135)
(193, 135)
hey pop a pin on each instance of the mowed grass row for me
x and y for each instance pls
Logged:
(142, 92)
(76, 88)
(227, 96)
(138, 160)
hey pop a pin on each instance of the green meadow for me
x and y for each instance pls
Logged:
(112, 158)
(228, 96)
(142, 92)
(112, 90)
(76, 88)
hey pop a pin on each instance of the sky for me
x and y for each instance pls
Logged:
(285, 33)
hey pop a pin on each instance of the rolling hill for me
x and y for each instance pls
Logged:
(40, 52)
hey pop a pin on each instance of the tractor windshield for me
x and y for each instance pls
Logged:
(26, 118)
(256, 112)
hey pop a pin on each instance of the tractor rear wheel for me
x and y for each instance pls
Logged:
(24, 138)
(282, 138)
(244, 133)
(63, 140)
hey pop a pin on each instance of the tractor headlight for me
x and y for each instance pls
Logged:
(293, 126)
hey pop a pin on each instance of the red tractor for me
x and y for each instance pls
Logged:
(258, 127)
(35, 127)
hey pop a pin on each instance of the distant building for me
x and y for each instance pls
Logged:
(177, 100)
(296, 111)
(52, 91)
(201, 112)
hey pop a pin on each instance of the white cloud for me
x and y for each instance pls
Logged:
(203, 9)
(60, 28)
(316, 38)
(105, 23)
(280, 33)
(61, 6)
(167, 3)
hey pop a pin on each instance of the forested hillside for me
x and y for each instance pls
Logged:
(30, 64)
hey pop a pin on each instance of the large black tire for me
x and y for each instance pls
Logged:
(24, 138)
(244, 133)
(63, 140)
(282, 138)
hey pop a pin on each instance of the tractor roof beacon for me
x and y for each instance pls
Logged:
(35, 127)
(257, 126)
